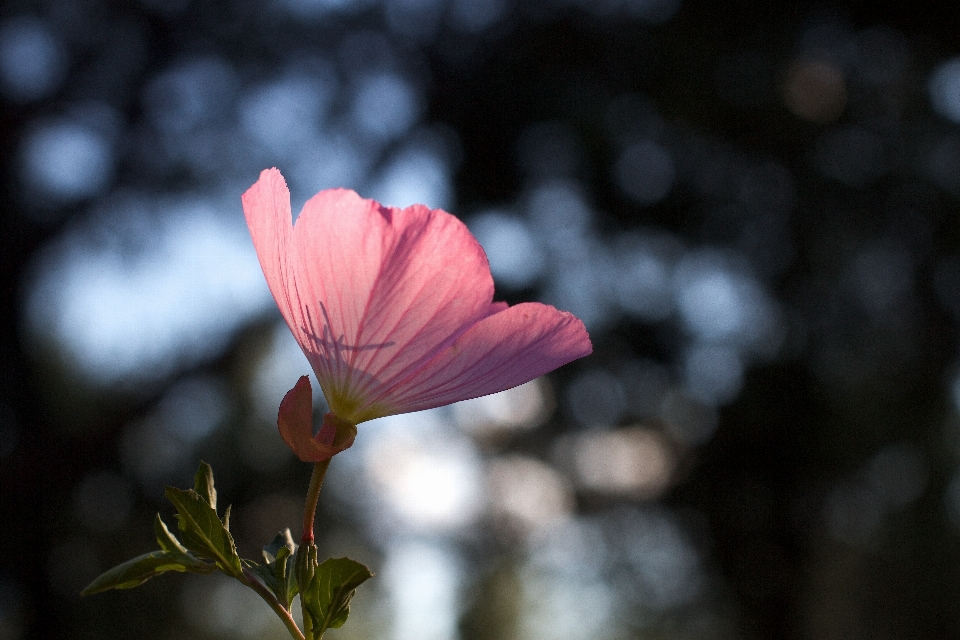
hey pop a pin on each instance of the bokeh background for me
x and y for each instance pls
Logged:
(753, 206)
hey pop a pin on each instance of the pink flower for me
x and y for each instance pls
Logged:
(394, 307)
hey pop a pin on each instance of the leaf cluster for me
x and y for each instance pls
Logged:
(207, 546)
(326, 589)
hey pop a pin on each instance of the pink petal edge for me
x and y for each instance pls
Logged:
(502, 351)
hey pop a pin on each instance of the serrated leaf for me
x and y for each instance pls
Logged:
(166, 540)
(202, 531)
(280, 555)
(266, 576)
(285, 574)
(334, 583)
(203, 484)
(226, 516)
(282, 540)
(278, 574)
(138, 570)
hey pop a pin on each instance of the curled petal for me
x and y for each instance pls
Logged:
(295, 421)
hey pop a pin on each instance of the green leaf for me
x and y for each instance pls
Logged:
(203, 532)
(280, 541)
(278, 574)
(334, 583)
(285, 574)
(265, 575)
(135, 572)
(203, 484)
(166, 540)
(279, 555)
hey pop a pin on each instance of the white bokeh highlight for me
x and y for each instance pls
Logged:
(138, 294)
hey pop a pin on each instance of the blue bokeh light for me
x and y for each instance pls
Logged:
(33, 61)
(944, 89)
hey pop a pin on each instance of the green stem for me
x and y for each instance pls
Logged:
(251, 581)
(306, 540)
(313, 494)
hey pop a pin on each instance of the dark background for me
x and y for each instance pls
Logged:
(814, 491)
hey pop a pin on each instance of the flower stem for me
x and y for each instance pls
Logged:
(251, 581)
(313, 494)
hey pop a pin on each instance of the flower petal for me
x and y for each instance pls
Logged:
(384, 291)
(295, 421)
(266, 206)
(393, 307)
(504, 350)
